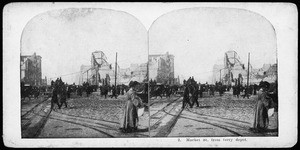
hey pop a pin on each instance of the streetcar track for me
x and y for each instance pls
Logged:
(172, 124)
(225, 124)
(94, 127)
(176, 98)
(237, 127)
(165, 98)
(44, 121)
(39, 125)
(87, 118)
(26, 121)
(84, 125)
(222, 126)
(27, 112)
(220, 117)
(166, 113)
(114, 129)
(90, 121)
(165, 106)
(219, 126)
(73, 121)
(223, 120)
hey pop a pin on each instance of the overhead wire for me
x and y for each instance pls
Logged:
(65, 75)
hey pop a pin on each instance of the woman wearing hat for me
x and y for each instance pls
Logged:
(130, 118)
(264, 102)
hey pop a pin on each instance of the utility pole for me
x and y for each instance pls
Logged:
(96, 76)
(248, 70)
(87, 76)
(116, 70)
(82, 77)
(148, 92)
(229, 76)
(220, 74)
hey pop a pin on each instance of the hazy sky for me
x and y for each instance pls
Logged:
(66, 39)
(199, 38)
(17, 15)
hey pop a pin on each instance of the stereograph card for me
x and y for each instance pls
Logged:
(150, 74)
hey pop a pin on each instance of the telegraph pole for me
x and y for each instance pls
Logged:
(87, 76)
(82, 77)
(248, 70)
(148, 92)
(96, 75)
(116, 70)
(220, 75)
(229, 78)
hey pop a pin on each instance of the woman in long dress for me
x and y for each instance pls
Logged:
(130, 118)
(264, 102)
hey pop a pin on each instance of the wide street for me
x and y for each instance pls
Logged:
(97, 117)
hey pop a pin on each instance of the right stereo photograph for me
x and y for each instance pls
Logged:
(212, 73)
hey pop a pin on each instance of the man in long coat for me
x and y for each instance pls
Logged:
(264, 102)
(195, 95)
(186, 96)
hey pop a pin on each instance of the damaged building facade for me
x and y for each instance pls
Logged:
(233, 71)
(31, 70)
(161, 68)
(101, 72)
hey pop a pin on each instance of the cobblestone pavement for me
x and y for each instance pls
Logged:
(95, 116)
(221, 116)
(27, 104)
(92, 116)
(95, 107)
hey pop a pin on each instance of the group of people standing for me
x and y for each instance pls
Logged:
(247, 91)
(114, 90)
(30, 91)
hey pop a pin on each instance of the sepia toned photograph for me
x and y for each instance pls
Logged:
(150, 75)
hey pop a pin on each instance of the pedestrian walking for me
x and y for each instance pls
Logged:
(186, 96)
(104, 91)
(63, 96)
(195, 95)
(68, 91)
(54, 99)
(114, 92)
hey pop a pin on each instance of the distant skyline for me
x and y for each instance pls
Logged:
(147, 17)
(199, 38)
(66, 39)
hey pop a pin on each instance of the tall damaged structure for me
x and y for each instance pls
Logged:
(234, 71)
(31, 70)
(101, 72)
(161, 68)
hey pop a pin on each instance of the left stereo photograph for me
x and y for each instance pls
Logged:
(84, 74)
